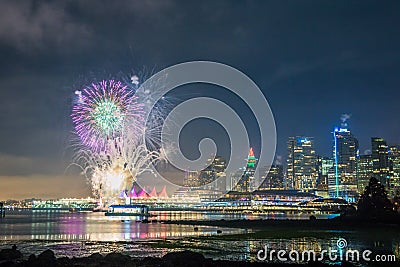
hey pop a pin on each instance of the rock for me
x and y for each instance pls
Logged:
(182, 259)
(32, 257)
(65, 261)
(10, 254)
(117, 258)
(149, 261)
(8, 264)
(46, 258)
(95, 257)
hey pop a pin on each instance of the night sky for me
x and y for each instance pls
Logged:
(313, 60)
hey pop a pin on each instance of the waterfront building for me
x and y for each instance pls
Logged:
(65, 204)
(270, 197)
(301, 171)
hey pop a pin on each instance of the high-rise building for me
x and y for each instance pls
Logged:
(263, 172)
(380, 157)
(219, 165)
(191, 179)
(213, 177)
(342, 180)
(247, 181)
(324, 165)
(394, 171)
(272, 179)
(301, 173)
(364, 172)
(235, 177)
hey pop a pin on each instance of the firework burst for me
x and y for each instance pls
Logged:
(101, 110)
(115, 144)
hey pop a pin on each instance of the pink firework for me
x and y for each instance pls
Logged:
(101, 110)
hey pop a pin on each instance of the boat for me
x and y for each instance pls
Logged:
(99, 209)
(73, 210)
(128, 210)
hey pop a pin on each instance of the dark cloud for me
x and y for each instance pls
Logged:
(31, 25)
(314, 60)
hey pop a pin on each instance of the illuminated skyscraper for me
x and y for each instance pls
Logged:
(191, 179)
(301, 164)
(246, 182)
(213, 177)
(324, 165)
(219, 166)
(235, 178)
(342, 181)
(364, 172)
(273, 179)
(380, 157)
(394, 171)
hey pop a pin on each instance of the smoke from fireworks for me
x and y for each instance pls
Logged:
(344, 118)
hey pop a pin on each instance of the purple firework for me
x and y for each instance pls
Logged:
(101, 110)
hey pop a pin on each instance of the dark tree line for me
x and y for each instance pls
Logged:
(374, 201)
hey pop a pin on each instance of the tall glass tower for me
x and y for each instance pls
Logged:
(342, 182)
(301, 172)
(210, 177)
(273, 179)
(364, 172)
(380, 158)
(394, 166)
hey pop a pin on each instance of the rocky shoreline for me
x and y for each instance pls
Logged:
(14, 258)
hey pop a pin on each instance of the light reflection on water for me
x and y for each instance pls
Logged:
(246, 250)
(188, 215)
(82, 234)
(93, 227)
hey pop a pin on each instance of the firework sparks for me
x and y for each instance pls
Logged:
(100, 112)
(116, 145)
(110, 172)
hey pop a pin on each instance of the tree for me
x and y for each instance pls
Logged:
(374, 200)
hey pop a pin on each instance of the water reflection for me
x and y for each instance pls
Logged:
(190, 215)
(247, 249)
(94, 227)
(81, 234)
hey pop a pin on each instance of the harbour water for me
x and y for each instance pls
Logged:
(85, 233)
(94, 226)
